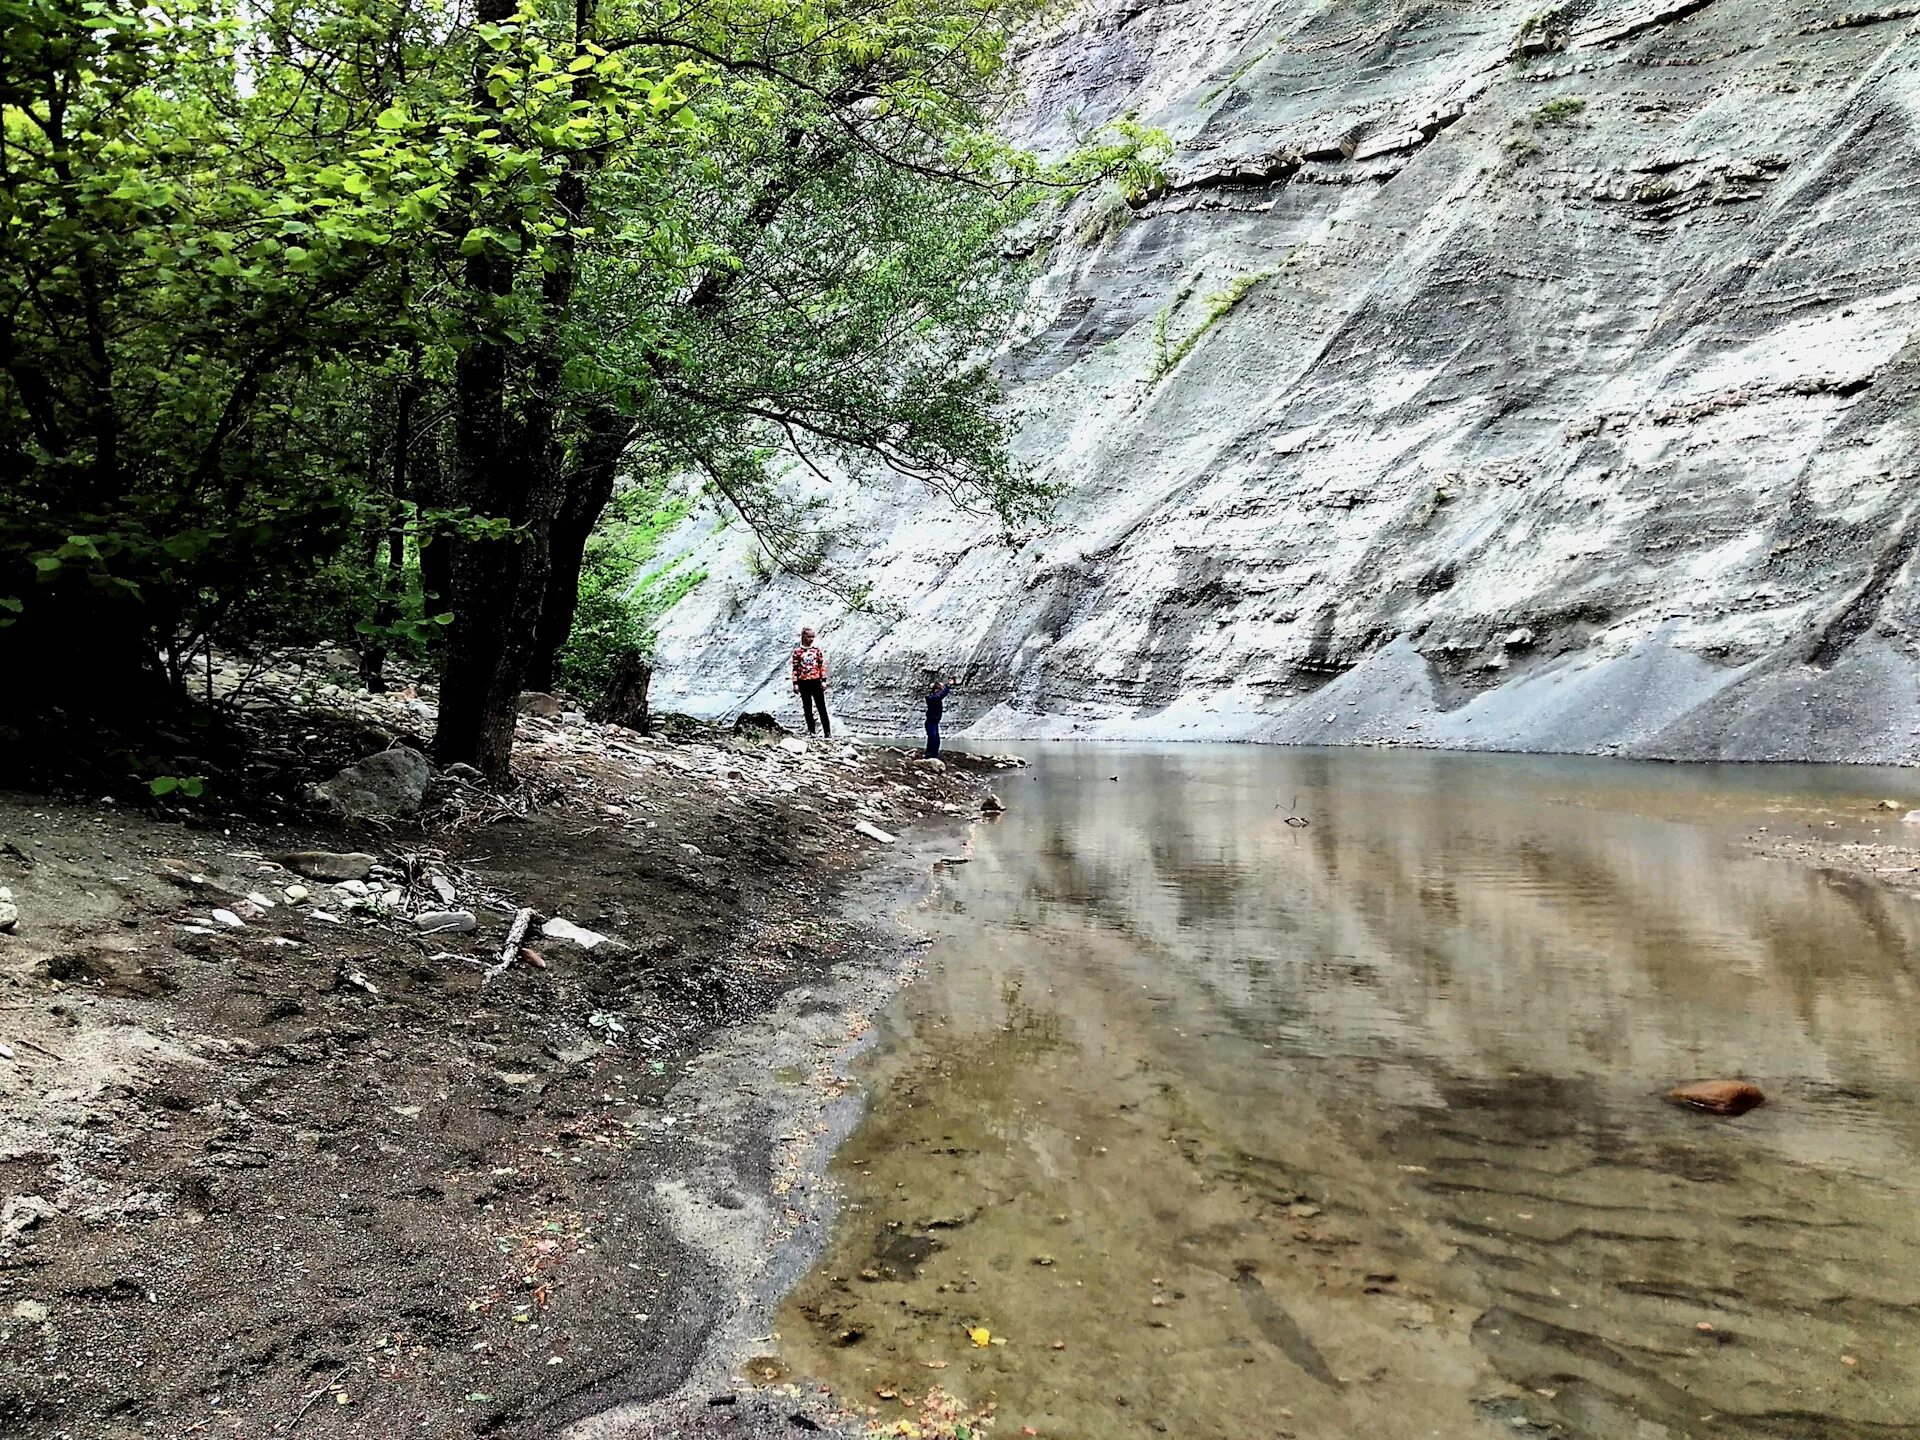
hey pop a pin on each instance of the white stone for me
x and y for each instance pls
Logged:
(560, 929)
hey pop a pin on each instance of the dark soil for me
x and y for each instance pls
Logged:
(344, 1186)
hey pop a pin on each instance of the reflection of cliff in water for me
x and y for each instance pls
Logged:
(1442, 918)
(1358, 1122)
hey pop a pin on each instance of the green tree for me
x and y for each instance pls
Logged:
(353, 311)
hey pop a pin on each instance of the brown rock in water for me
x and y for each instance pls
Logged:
(1719, 1097)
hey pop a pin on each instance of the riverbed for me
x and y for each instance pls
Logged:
(1269, 1093)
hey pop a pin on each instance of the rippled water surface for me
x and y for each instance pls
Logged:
(1266, 1093)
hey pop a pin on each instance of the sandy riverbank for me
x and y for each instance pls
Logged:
(316, 1173)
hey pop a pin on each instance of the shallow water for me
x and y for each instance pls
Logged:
(1266, 1093)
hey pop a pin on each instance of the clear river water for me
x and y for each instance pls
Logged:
(1254, 1093)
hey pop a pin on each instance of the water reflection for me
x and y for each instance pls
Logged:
(1230, 1126)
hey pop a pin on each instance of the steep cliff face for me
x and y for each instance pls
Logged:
(1484, 376)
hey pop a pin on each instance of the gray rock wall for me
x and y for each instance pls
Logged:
(1483, 377)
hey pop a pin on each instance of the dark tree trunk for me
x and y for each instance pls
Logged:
(373, 659)
(625, 702)
(392, 583)
(479, 683)
(373, 646)
(503, 469)
(436, 557)
(479, 680)
(589, 487)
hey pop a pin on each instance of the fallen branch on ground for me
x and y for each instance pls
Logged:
(511, 950)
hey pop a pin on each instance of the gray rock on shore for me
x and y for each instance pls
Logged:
(392, 783)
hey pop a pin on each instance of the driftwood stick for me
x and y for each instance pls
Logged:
(511, 950)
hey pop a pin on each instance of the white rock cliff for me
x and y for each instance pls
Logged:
(1483, 377)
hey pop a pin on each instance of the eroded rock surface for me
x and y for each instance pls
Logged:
(1592, 324)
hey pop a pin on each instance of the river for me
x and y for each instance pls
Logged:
(1276, 1093)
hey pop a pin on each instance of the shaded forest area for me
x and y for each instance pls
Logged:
(349, 322)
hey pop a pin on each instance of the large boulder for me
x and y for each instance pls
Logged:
(382, 787)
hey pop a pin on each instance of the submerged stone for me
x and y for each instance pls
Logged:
(1718, 1097)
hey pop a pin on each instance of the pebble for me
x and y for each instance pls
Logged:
(227, 917)
(9, 912)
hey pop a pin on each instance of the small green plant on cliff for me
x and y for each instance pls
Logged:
(1521, 147)
(1167, 352)
(1559, 111)
(1525, 144)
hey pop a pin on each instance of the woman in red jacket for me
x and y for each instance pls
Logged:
(810, 680)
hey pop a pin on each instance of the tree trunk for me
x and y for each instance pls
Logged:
(429, 492)
(625, 702)
(373, 646)
(392, 581)
(589, 487)
(503, 469)
(479, 680)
